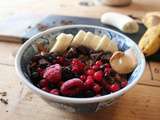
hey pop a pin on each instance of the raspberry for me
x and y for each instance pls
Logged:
(114, 87)
(54, 92)
(72, 87)
(96, 89)
(90, 72)
(98, 76)
(53, 73)
(124, 83)
(77, 65)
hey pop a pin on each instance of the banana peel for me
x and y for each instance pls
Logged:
(150, 41)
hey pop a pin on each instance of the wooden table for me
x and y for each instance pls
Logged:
(140, 103)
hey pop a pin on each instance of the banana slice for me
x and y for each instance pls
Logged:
(107, 45)
(79, 37)
(91, 40)
(62, 42)
(112, 47)
(103, 44)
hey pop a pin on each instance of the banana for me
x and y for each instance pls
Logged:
(123, 22)
(79, 37)
(62, 42)
(112, 46)
(103, 44)
(91, 40)
(151, 19)
(150, 41)
(106, 44)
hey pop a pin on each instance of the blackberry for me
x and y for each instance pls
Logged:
(72, 53)
(105, 57)
(67, 73)
(83, 50)
(89, 93)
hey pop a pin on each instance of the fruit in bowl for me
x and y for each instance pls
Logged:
(80, 68)
(77, 67)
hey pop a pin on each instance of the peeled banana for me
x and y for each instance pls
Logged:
(150, 41)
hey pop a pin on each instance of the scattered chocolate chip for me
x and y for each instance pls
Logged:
(66, 22)
(105, 57)
(4, 101)
(67, 73)
(86, 3)
(96, 56)
(72, 53)
(3, 93)
(42, 27)
(83, 50)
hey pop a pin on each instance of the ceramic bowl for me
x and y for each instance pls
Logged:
(29, 49)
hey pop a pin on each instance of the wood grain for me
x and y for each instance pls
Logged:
(8, 52)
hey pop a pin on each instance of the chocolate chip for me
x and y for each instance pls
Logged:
(4, 101)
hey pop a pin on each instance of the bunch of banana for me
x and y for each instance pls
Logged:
(150, 41)
(88, 39)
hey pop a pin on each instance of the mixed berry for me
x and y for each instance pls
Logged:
(78, 72)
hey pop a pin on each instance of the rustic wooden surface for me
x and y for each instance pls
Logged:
(140, 103)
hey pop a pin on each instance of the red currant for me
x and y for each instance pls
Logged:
(89, 81)
(75, 69)
(114, 87)
(96, 88)
(98, 76)
(107, 71)
(83, 77)
(95, 67)
(60, 60)
(124, 83)
(99, 63)
(90, 72)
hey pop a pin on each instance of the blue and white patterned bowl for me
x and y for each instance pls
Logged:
(28, 49)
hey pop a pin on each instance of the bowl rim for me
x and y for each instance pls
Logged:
(62, 99)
